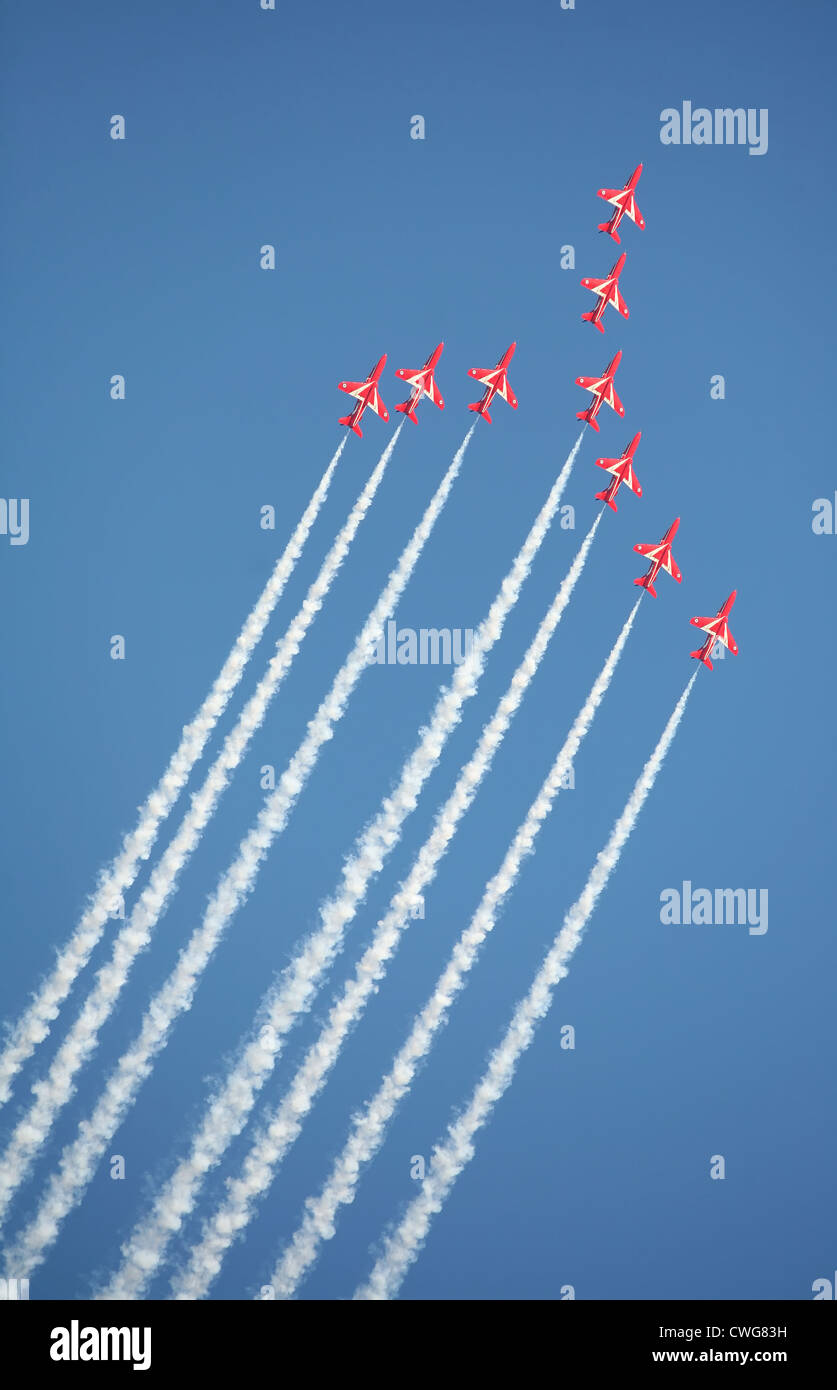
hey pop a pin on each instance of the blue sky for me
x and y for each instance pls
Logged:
(141, 257)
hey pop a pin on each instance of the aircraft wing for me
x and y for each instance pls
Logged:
(613, 400)
(634, 213)
(618, 302)
(596, 286)
(617, 197)
(671, 567)
(609, 465)
(621, 469)
(719, 629)
(435, 394)
(629, 477)
(423, 380)
(352, 388)
(375, 403)
(482, 373)
(724, 635)
(504, 390)
(590, 383)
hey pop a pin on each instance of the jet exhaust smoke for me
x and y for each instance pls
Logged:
(79, 1159)
(54, 1092)
(296, 990)
(450, 1157)
(369, 1125)
(285, 1123)
(33, 1027)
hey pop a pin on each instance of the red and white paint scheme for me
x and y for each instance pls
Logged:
(367, 394)
(623, 472)
(608, 292)
(423, 384)
(603, 392)
(496, 383)
(661, 559)
(718, 630)
(625, 204)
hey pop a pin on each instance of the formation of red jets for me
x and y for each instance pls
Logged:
(496, 382)
(423, 381)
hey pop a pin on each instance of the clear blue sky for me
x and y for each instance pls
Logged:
(246, 127)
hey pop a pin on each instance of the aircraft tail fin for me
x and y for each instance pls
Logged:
(699, 656)
(645, 583)
(603, 497)
(477, 406)
(405, 410)
(606, 227)
(585, 415)
(347, 420)
(591, 318)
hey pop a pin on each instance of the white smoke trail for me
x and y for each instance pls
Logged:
(282, 1128)
(54, 1092)
(228, 1112)
(33, 1027)
(369, 1125)
(79, 1159)
(450, 1157)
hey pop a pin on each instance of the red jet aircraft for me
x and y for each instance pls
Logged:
(496, 384)
(623, 200)
(608, 292)
(718, 630)
(623, 472)
(603, 390)
(423, 384)
(367, 395)
(661, 559)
